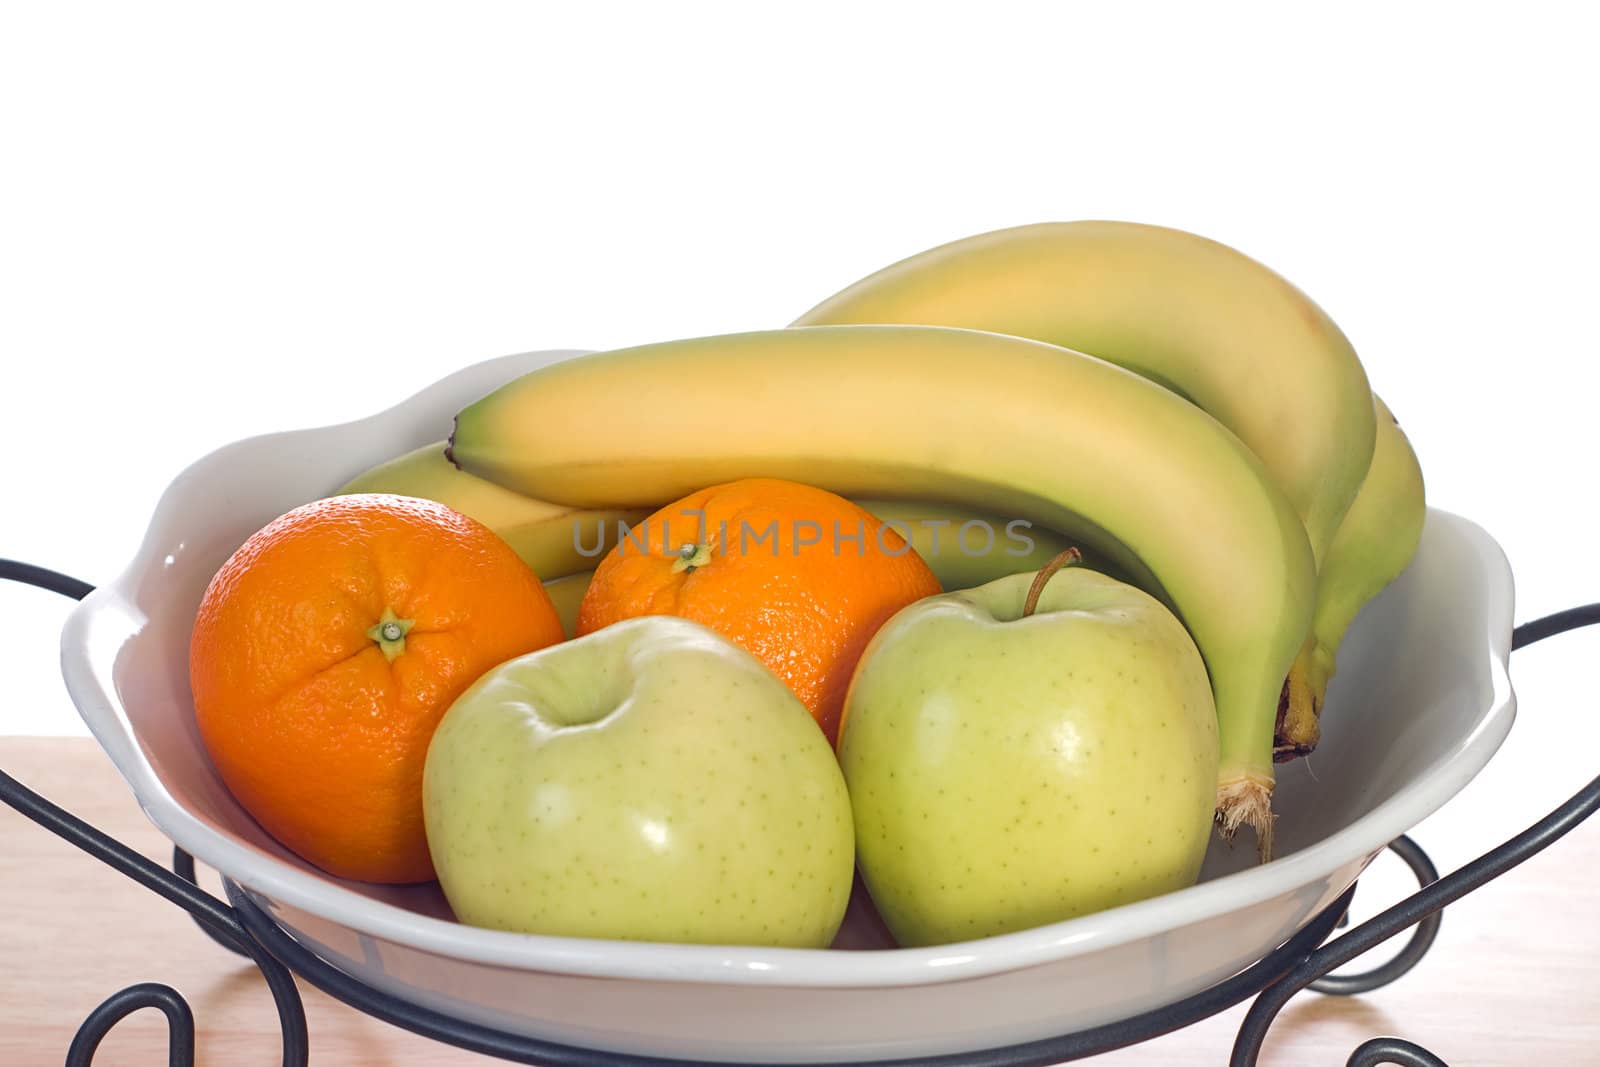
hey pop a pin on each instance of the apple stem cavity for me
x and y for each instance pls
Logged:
(1048, 571)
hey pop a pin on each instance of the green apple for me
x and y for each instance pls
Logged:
(1010, 770)
(649, 781)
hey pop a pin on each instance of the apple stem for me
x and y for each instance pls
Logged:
(1048, 571)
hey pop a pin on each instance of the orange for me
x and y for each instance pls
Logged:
(798, 576)
(326, 650)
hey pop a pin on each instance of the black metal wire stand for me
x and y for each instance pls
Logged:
(1306, 960)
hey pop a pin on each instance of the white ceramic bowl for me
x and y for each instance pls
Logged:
(1421, 702)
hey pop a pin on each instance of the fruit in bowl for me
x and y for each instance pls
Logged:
(983, 420)
(1031, 750)
(1148, 464)
(1422, 702)
(1153, 464)
(649, 781)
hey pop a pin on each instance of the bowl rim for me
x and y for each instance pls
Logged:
(103, 621)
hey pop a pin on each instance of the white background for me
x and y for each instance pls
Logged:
(218, 220)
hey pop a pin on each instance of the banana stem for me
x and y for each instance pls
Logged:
(1245, 799)
(1245, 773)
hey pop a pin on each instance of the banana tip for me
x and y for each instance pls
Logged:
(450, 447)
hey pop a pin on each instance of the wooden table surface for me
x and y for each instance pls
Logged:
(1512, 979)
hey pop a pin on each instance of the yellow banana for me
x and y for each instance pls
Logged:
(962, 547)
(988, 421)
(965, 547)
(1195, 315)
(1374, 543)
(933, 531)
(553, 540)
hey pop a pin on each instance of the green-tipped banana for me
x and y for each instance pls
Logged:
(997, 423)
(1374, 543)
(964, 548)
(1195, 315)
(552, 539)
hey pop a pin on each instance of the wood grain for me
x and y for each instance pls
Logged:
(1513, 978)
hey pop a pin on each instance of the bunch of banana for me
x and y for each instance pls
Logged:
(995, 423)
(1230, 335)
(1168, 404)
